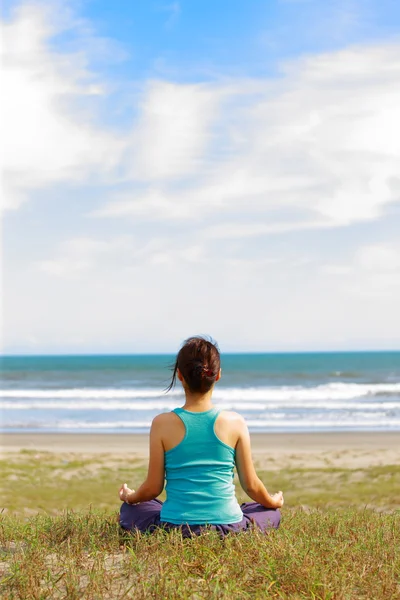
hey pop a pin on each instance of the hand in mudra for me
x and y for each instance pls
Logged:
(124, 492)
(278, 499)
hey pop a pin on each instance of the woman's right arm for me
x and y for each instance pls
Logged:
(249, 480)
(154, 483)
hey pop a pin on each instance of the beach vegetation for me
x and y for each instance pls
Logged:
(51, 482)
(60, 537)
(330, 554)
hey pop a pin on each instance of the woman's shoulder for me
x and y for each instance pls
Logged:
(169, 429)
(230, 427)
(231, 421)
(164, 418)
(231, 417)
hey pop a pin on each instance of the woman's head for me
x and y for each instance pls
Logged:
(199, 363)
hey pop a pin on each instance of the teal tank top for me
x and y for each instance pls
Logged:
(199, 475)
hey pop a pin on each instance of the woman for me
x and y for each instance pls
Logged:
(195, 448)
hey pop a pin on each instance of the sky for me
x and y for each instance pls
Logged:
(194, 167)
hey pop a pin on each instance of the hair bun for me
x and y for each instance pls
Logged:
(208, 372)
(199, 362)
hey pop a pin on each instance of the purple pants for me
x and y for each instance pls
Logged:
(146, 517)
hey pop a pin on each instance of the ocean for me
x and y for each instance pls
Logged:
(304, 392)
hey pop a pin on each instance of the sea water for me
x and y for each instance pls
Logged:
(357, 391)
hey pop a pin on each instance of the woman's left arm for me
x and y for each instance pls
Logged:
(154, 484)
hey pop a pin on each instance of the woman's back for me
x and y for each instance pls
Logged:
(199, 473)
(195, 449)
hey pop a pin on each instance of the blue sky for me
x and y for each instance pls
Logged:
(193, 167)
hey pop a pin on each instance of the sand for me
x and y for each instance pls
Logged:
(350, 450)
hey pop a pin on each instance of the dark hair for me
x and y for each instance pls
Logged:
(199, 362)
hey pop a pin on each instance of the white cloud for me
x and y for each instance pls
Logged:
(78, 255)
(371, 260)
(75, 257)
(240, 230)
(323, 138)
(211, 169)
(371, 279)
(380, 258)
(174, 10)
(46, 138)
(173, 132)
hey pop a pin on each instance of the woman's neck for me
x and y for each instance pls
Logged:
(198, 402)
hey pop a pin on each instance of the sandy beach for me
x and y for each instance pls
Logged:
(55, 472)
(298, 450)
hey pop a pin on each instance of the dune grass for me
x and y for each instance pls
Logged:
(31, 482)
(339, 538)
(344, 554)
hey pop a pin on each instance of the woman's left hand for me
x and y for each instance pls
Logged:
(124, 492)
(278, 499)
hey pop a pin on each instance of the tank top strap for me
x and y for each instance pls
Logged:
(214, 414)
(195, 421)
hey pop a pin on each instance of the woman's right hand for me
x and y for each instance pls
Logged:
(124, 493)
(278, 499)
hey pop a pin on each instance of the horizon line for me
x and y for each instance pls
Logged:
(164, 353)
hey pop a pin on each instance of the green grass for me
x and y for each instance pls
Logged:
(339, 538)
(32, 482)
(345, 554)
(376, 487)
